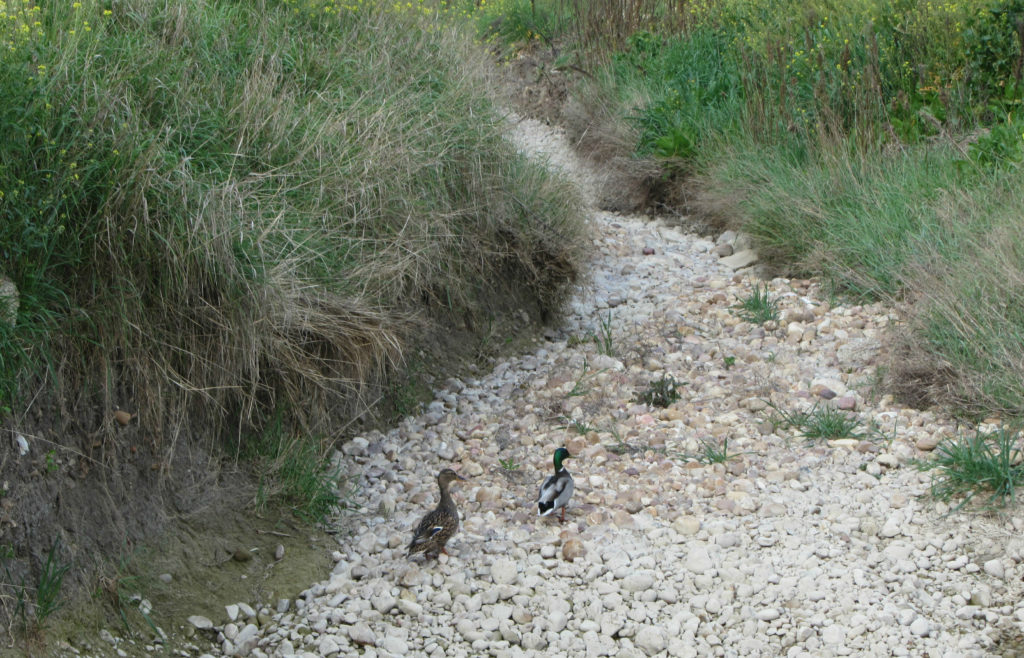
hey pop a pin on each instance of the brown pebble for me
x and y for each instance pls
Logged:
(573, 549)
(123, 417)
(622, 519)
(825, 392)
(846, 403)
(241, 554)
(648, 251)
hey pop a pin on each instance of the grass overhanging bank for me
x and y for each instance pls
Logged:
(218, 213)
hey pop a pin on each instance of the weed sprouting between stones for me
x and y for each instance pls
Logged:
(987, 462)
(758, 307)
(661, 392)
(821, 422)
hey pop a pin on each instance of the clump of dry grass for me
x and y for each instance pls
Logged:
(273, 212)
(963, 342)
(218, 214)
(593, 119)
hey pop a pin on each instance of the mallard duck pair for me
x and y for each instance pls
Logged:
(439, 525)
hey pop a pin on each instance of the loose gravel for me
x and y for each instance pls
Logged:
(790, 547)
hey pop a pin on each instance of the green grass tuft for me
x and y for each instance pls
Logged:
(51, 582)
(758, 307)
(711, 452)
(821, 422)
(985, 463)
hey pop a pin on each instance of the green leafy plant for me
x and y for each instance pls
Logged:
(118, 590)
(1002, 145)
(620, 447)
(729, 361)
(508, 464)
(51, 461)
(294, 470)
(574, 340)
(758, 307)
(987, 462)
(876, 433)
(581, 388)
(660, 393)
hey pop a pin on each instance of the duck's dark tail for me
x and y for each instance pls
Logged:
(543, 509)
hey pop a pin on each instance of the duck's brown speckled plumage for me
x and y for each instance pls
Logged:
(440, 524)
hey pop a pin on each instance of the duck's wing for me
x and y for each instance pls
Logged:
(430, 525)
(566, 487)
(555, 488)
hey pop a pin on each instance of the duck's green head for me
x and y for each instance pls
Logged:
(561, 454)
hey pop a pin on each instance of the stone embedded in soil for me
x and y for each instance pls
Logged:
(740, 259)
(241, 554)
(200, 622)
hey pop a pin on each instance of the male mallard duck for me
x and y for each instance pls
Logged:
(556, 490)
(438, 526)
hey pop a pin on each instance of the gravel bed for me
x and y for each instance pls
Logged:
(791, 547)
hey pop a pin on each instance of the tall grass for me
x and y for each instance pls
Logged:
(221, 208)
(871, 143)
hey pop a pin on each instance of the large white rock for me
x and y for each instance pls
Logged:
(650, 639)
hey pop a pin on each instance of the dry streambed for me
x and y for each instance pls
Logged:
(791, 547)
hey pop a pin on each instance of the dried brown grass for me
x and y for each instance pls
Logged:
(962, 344)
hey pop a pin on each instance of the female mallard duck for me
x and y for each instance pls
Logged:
(556, 490)
(438, 526)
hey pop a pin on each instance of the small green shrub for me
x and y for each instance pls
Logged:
(580, 426)
(1002, 145)
(660, 393)
(604, 340)
(508, 25)
(581, 387)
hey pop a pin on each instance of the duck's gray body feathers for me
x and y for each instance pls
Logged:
(555, 493)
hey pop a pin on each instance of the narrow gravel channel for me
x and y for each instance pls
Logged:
(791, 547)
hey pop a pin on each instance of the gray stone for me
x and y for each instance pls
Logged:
(361, 633)
(395, 646)
(638, 582)
(504, 571)
(9, 301)
(740, 259)
(650, 639)
(246, 639)
(200, 622)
